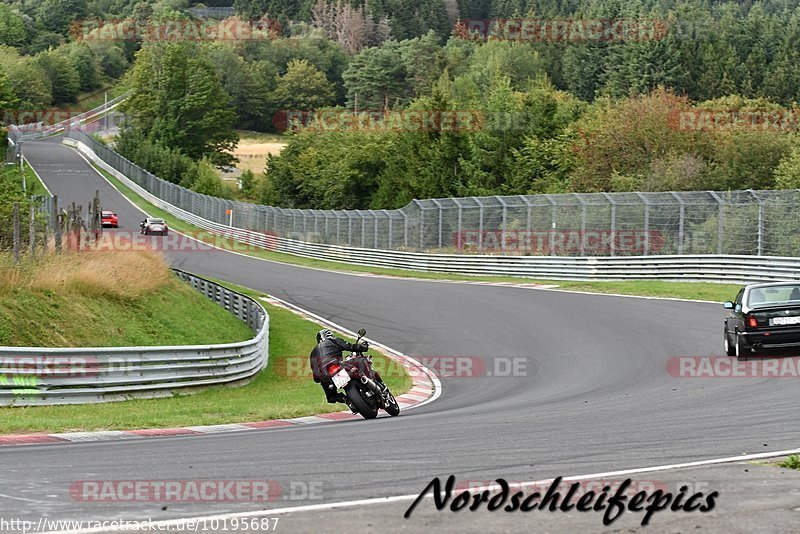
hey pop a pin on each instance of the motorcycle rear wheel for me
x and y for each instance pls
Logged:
(359, 402)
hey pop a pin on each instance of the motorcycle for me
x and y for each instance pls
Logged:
(365, 394)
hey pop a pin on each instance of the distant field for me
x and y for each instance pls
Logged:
(253, 149)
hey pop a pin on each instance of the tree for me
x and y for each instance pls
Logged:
(65, 83)
(787, 173)
(352, 27)
(56, 15)
(84, 62)
(178, 100)
(208, 182)
(303, 87)
(8, 100)
(624, 138)
(377, 78)
(12, 28)
(27, 79)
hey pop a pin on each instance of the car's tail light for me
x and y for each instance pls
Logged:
(333, 369)
(752, 321)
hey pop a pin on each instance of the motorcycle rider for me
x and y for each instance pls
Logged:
(328, 350)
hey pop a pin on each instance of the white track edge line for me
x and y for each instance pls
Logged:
(399, 498)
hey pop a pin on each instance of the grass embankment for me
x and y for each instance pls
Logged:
(650, 288)
(94, 99)
(278, 392)
(33, 185)
(106, 299)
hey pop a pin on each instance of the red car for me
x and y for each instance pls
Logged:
(109, 219)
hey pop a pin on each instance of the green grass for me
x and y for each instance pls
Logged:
(33, 185)
(650, 288)
(74, 307)
(274, 393)
(172, 315)
(791, 462)
(94, 99)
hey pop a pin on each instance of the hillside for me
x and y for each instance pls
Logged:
(106, 299)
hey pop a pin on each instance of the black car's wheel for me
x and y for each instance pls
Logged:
(730, 350)
(361, 404)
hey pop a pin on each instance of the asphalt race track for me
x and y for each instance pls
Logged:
(594, 396)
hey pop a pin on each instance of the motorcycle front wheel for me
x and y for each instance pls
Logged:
(392, 408)
(359, 402)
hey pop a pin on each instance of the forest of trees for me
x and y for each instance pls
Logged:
(588, 115)
(557, 115)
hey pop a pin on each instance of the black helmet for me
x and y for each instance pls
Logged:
(324, 334)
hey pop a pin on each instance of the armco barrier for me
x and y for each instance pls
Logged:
(39, 376)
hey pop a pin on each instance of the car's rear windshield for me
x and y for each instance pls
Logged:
(156, 221)
(765, 296)
(107, 214)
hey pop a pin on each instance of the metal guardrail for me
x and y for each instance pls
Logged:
(762, 223)
(709, 268)
(17, 133)
(46, 376)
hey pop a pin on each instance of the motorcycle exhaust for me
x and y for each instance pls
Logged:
(371, 385)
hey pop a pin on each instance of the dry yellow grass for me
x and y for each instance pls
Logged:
(252, 153)
(121, 275)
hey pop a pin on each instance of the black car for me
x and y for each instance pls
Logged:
(763, 316)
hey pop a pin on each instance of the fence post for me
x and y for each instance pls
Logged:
(612, 246)
(389, 222)
(439, 205)
(721, 221)
(646, 223)
(504, 223)
(480, 223)
(681, 221)
(405, 230)
(16, 231)
(583, 223)
(760, 245)
(46, 205)
(32, 230)
(553, 221)
(459, 226)
(56, 224)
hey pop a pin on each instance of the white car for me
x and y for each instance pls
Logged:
(153, 225)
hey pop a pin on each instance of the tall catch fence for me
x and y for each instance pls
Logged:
(578, 224)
